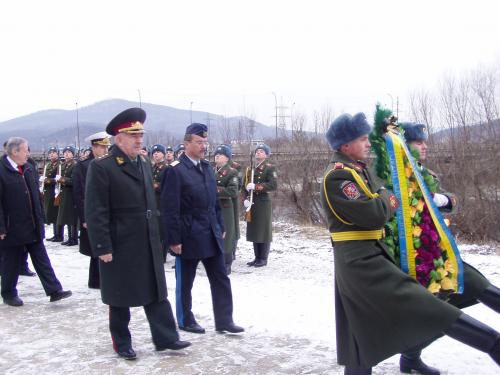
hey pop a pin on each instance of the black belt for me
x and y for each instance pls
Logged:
(129, 211)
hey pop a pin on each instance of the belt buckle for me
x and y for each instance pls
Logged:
(149, 213)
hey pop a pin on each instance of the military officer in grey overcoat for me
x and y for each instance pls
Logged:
(260, 224)
(379, 310)
(227, 193)
(48, 179)
(100, 143)
(121, 216)
(67, 210)
(476, 287)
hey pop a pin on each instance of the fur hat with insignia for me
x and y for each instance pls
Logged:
(71, 149)
(347, 128)
(223, 150)
(263, 147)
(414, 132)
(53, 149)
(158, 148)
(130, 121)
(169, 148)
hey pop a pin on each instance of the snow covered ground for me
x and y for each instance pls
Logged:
(287, 309)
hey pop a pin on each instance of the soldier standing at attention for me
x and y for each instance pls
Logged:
(159, 165)
(476, 287)
(194, 229)
(100, 143)
(379, 309)
(260, 227)
(67, 209)
(49, 184)
(120, 209)
(227, 193)
(169, 155)
(236, 201)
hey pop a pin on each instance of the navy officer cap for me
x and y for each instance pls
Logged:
(414, 132)
(195, 128)
(130, 121)
(223, 150)
(158, 148)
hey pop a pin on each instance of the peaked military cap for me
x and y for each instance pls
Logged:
(347, 128)
(223, 150)
(263, 147)
(195, 128)
(71, 149)
(53, 149)
(130, 121)
(158, 148)
(101, 138)
(414, 132)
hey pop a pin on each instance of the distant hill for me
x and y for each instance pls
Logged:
(58, 127)
(476, 133)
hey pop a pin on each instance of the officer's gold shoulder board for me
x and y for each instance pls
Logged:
(102, 157)
(119, 160)
(174, 163)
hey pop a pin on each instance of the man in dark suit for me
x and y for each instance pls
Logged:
(22, 224)
(195, 232)
(100, 143)
(122, 224)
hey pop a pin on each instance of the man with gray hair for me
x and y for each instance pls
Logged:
(22, 224)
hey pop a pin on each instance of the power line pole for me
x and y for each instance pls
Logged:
(77, 128)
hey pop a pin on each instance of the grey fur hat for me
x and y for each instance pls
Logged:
(414, 132)
(347, 128)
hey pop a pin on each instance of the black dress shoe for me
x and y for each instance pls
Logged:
(61, 294)
(51, 239)
(14, 301)
(127, 354)
(260, 263)
(251, 264)
(58, 239)
(193, 328)
(71, 243)
(27, 272)
(231, 328)
(176, 345)
(406, 365)
(64, 242)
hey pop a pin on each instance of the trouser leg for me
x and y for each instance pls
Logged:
(220, 286)
(491, 298)
(94, 277)
(162, 323)
(185, 272)
(43, 268)
(119, 318)
(12, 258)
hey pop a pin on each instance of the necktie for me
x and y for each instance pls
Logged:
(20, 169)
(199, 167)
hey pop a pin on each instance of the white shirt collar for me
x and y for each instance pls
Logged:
(12, 162)
(195, 162)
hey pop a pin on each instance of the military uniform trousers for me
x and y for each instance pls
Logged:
(161, 322)
(13, 259)
(85, 249)
(220, 286)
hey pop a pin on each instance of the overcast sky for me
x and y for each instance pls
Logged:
(228, 57)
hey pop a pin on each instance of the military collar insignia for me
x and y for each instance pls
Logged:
(120, 160)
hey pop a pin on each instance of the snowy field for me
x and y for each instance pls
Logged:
(286, 308)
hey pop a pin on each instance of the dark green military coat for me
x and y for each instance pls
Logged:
(260, 228)
(67, 214)
(50, 171)
(227, 190)
(474, 281)
(236, 201)
(379, 310)
(158, 172)
(122, 219)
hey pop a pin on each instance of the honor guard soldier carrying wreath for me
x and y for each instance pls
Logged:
(122, 223)
(48, 179)
(100, 143)
(227, 192)
(194, 230)
(379, 309)
(259, 182)
(67, 210)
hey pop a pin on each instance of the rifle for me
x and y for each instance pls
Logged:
(57, 190)
(248, 213)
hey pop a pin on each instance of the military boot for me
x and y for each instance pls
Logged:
(263, 254)
(491, 298)
(256, 253)
(54, 237)
(472, 332)
(60, 233)
(72, 236)
(69, 235)
(412, 361)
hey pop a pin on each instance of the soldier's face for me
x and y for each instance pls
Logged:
(169, 156)
(260, 154)
(68, 155)
(196, 147)
(158, 156)
(130, 144)
(99, 150)
(359, 149)
(421, 147)
(221, 160)
(53, 156)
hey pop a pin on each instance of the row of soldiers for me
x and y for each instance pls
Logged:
(63, 186)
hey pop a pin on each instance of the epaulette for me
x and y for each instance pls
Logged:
(119, 160)
(338, 166)
(174, 163)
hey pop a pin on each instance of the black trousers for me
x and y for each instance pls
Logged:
(94, 278)
(161, 322)
(14, 258)
(220, 286)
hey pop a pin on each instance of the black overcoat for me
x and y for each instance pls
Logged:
(79, 180)
(121, 216)
(67, 209)
(21, 210)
